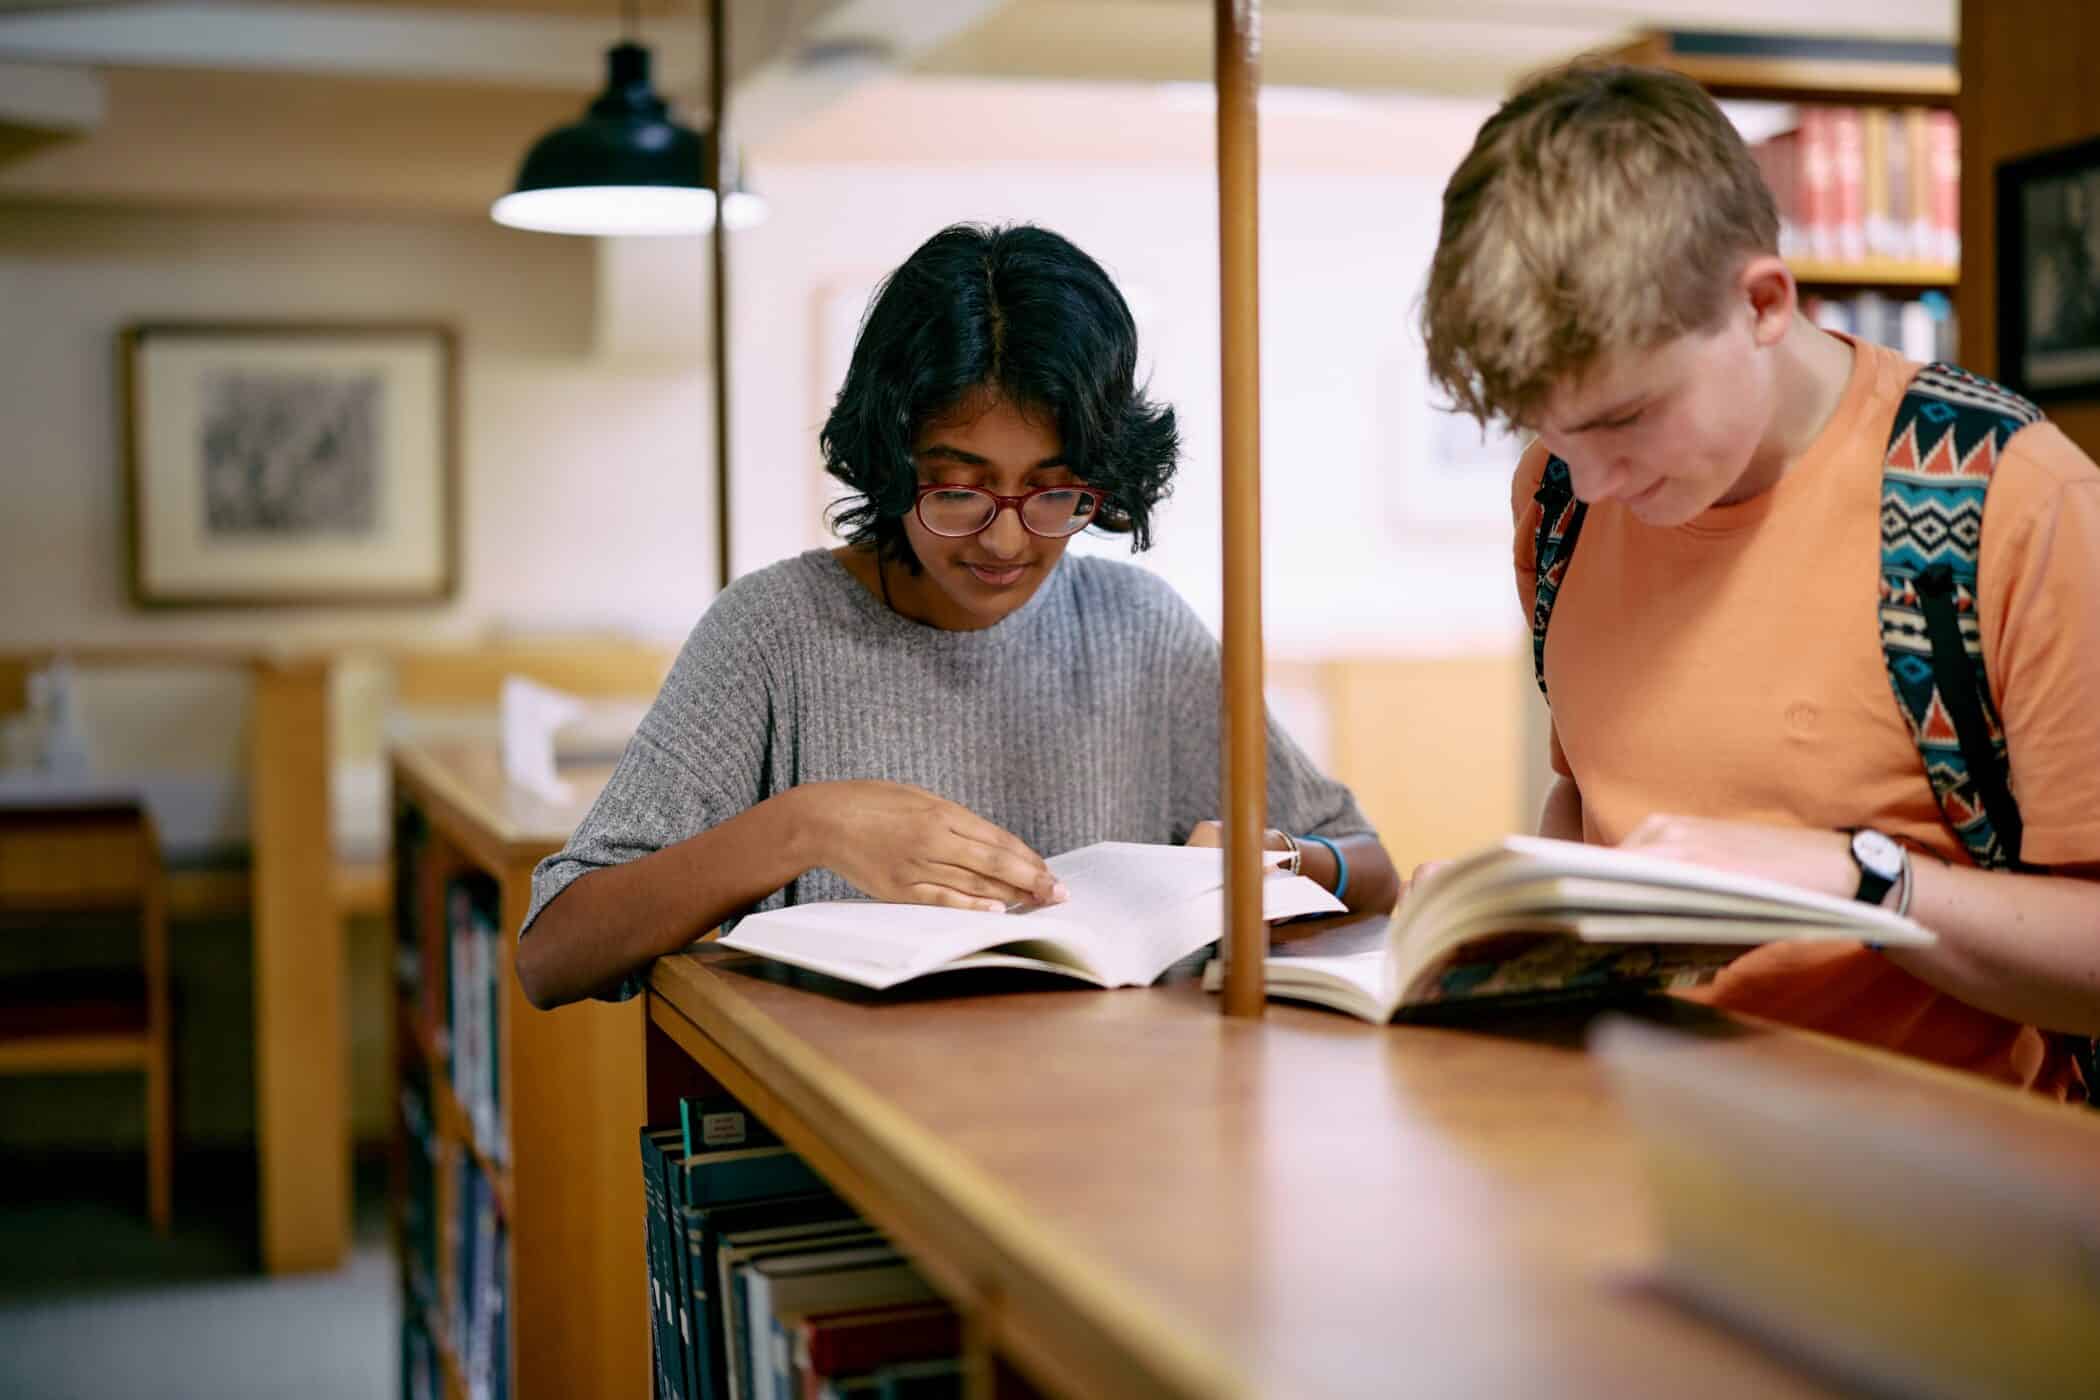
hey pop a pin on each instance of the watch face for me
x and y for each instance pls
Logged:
(1877, 853)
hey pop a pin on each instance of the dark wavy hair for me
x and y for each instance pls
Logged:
(1023, 313)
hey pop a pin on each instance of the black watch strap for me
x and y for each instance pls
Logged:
(1872, 888)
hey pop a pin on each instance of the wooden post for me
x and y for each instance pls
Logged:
(1244, 802)
(718, 167)
(302, 1045)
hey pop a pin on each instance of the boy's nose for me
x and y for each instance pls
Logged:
(1601, 481)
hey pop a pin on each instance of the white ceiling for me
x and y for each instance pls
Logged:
(63, 63)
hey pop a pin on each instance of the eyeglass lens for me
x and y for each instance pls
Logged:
(966, 510)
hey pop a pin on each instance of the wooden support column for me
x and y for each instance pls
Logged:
(1244, 803)
(302, 1056)
(719, 166)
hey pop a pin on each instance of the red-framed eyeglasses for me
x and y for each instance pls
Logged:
(1052, 512)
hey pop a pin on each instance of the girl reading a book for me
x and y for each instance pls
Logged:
(923, 713)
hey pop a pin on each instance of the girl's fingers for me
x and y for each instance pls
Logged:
(947, 898)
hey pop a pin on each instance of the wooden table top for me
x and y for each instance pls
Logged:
(1304, 1205)
(461, 784)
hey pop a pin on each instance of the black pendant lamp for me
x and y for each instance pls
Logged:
(626, 168)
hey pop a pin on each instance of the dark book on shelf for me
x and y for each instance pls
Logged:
(732, 1311)
(718, 1157)
(798, 1216)
(855, 1341)
(663, 1324)
(781, 1291)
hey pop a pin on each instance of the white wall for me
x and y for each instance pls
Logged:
(1368, 548)
(585, 490)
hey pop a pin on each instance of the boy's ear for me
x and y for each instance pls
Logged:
(1766, 286)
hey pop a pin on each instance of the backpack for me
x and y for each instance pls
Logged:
(1949, 432)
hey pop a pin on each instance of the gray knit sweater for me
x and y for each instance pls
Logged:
(1088, 714)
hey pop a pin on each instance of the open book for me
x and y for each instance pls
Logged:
(1133, 912)
(1532, 917)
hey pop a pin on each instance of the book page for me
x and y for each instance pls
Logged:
(1485, 925)
(1135, 903)
(1144, 908)
(882, 945)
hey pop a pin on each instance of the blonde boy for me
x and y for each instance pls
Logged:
(1607, 277)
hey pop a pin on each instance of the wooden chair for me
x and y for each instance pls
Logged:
(60, 860)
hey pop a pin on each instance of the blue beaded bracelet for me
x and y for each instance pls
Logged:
(1341, 862)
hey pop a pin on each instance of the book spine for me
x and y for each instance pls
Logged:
(1818, 184)
(1880, 229)
(1849, 176)
(1945, 146)
(1918, 161)
(747, 1179)
(661, 1326)
(717, 1122)
(1897, 174)
(677, 1275)
(854, 1344)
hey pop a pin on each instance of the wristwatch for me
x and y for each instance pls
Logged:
(1880, 862)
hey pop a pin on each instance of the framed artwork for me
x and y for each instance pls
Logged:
(2048, 225)
(290, 464)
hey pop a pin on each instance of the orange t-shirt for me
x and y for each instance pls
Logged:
(1732, 668)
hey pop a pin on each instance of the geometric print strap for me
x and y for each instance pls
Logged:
(1560, 525)
(1949, 433)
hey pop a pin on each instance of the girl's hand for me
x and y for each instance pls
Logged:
(909, 846)
(1212, 833)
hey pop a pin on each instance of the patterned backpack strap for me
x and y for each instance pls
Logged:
(1949, 432)
(1560, 525)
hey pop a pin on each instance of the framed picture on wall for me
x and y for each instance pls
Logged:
(278, 464)
(2048, 218)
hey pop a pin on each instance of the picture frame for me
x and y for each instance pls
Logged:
(2047, 210)
(281, 464)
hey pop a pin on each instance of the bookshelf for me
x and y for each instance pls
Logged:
(1790, 68)
(514, 1199)
(1886, 76)
(1867, 178)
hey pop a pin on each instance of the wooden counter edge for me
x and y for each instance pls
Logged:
(485, 836)
(1042, 1303)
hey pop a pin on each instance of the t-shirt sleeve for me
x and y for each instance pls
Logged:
(697, 758)
(1301, 799)
(2039, 608)
(1524, 527)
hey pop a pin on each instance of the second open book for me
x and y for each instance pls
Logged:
(1531, 917)
(1133, 912)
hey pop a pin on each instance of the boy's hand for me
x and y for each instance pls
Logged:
(1422, 872)
(1807, 857)
(910, 846)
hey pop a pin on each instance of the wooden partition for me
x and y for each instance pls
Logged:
(2027, 86)
(568, 1181)
(302, 1045)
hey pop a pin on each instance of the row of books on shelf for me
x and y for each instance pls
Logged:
(450, 978)
(1922, 328)
(468, 1318)
(480, 1313)
(765, 1285)
(1860, 183)
(473, 1033)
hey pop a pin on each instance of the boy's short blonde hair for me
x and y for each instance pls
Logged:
(1603, 208)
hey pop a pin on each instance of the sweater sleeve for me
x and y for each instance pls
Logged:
(698, 758)
(1301, 799)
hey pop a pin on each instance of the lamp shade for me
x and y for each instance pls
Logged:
(626, 168)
